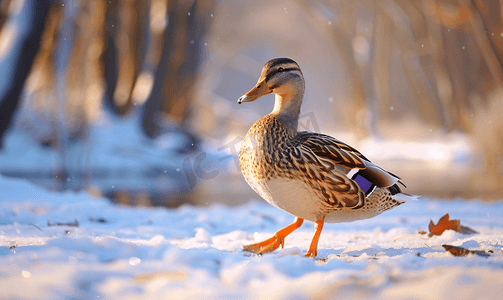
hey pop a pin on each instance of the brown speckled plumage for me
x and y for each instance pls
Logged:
(304, 173)
(268, 151)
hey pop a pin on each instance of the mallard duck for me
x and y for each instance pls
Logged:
(312, 176)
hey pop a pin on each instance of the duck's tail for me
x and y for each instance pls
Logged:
(402, 197)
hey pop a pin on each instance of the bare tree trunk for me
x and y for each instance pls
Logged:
(126, 29)
(358, 104)
(176, 74)
(154, 103)
(382, 61)
(24, 28)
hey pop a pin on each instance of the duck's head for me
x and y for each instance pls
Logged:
(280, 76)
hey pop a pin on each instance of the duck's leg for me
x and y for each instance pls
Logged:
(273, 243)
(313, 248)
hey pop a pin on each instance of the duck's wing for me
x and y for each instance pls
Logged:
(331, 153)
(331, 150)
(314, 158)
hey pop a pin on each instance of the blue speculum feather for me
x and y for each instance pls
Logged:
(364, 184)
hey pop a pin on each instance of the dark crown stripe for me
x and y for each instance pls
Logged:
(273, 73)
(278, 61)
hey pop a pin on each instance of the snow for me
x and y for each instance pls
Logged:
(123, 252)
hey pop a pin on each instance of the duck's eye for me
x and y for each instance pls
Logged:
(258, 86)
(280, 69)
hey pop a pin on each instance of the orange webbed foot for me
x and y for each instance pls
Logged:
(274, 242)
(311, 253)
(266, 246)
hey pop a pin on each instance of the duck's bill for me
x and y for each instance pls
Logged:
(260, 89)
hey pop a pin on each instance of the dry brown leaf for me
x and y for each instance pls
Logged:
(460, 251)
(467, 230)
(444, 224)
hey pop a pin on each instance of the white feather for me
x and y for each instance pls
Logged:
(400, 197)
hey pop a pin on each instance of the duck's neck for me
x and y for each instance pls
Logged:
(287, 108)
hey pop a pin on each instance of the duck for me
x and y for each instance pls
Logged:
(310, 175)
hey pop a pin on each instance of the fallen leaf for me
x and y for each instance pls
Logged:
(445, 224)
(466, 230)
(460, 251)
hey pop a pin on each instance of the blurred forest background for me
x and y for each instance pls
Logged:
(136, 99)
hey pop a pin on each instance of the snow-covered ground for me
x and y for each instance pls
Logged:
(122, 252)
